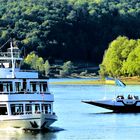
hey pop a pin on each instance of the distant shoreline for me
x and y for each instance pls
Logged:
(95, 81)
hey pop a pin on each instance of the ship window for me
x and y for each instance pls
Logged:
(10, 64)
(3, 109)
(24, 84)
(45, 87)
(18, 86)
(16, 109)
(37, 87)
(17, 64)
(40, 87)
(46, 108)
(33, 86)
(9, 86)
(28, 108)
(37, 108)
(2, 66)
(1, 87)
(5, 87)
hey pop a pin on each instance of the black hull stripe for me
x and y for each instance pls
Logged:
(125, 108)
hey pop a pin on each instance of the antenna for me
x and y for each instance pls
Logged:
(12, 58)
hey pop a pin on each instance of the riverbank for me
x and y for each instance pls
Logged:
(131, 80)
(95, 81)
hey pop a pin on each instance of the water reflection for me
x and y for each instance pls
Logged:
(26, 135)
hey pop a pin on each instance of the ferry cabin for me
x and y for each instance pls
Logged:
(25, 96)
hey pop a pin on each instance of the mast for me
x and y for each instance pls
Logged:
(12, 58)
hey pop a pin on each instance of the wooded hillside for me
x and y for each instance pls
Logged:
(76, 30)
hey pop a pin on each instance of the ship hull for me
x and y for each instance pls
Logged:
(30, 122)
(117, 106)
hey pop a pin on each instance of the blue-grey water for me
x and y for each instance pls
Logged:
(86, 122)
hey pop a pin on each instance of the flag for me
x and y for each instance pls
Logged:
(119, 83)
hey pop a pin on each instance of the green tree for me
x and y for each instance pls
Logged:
(112, 61)
(116, 56)
(67, 68)
(47, 67)
(35, 62)
(131, 66)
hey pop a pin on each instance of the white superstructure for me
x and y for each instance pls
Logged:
(25, 100)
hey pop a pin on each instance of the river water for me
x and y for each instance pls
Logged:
(80, 121)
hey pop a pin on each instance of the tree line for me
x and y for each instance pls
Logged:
(33, 61)
(75, 30)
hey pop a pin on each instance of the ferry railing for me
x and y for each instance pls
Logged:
(38, 112)
(30, 112)
(28, 70)
(18, 113)
(24, 92)
(22, 113)
(8, 54)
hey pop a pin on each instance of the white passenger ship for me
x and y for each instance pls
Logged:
(25, 100)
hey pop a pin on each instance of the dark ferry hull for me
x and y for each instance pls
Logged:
(117, 105)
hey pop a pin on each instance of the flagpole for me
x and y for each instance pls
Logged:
(119, 83)
(115, 87)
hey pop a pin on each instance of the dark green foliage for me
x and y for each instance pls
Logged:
(68, 29)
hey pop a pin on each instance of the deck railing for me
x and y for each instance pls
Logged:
(8, 54)
(30, 112)
(24, 92)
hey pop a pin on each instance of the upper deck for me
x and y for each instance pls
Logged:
(8, 73)
(10, 63)
(8, 55)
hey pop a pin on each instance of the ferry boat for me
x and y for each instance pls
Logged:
(25, 100)
(120, 103)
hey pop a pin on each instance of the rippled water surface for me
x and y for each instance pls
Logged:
(85, 122)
